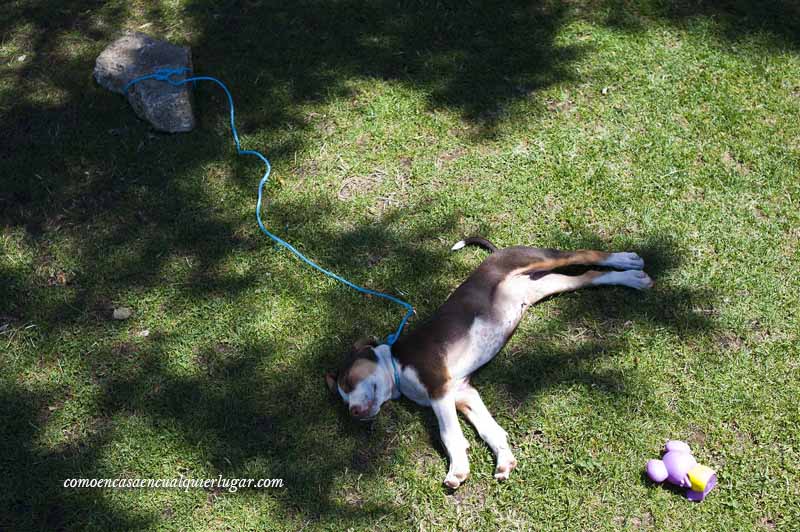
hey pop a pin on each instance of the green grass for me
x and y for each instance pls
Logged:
(395, 128)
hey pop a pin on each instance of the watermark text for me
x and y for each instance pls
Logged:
(230, 484)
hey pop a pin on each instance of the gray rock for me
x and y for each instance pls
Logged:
(122, 313)
(166, 107)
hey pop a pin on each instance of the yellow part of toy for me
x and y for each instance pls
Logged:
(698, 476)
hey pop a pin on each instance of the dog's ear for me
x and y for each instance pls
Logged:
(330, 380)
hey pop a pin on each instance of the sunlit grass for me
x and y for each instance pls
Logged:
(395, 130)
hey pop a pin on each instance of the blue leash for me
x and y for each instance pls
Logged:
(166, 75)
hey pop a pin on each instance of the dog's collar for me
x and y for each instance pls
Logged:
(345, 396)
(385, 351)
(396, 374)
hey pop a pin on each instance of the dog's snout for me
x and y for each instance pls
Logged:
(359, 411)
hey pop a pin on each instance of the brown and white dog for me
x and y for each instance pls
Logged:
(432, 364)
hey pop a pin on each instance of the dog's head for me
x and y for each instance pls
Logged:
(363, 382)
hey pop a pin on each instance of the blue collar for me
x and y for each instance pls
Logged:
(396, 374)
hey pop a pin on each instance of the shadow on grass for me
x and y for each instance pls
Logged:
(732, 20)
(240, 404)
(473, 57)
(252, 414)
(470, 57)
(60, 131)
(78, 161)
(35, 498)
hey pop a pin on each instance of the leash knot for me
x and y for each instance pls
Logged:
(162, 74)
(165, 74)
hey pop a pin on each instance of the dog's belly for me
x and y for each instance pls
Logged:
(486, 337)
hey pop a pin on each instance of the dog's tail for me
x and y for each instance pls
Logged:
(476, 241)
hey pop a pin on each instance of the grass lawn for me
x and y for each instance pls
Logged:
(395, 128)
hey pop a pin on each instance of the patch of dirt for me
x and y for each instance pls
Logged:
(367, 457)
(216, 171)
(223, 348)
(522, 148)
(645, 520)
(470, 495)
(326, 127)
(732, 162)
(449, 156)
(309, 169)
(464, 131)
(767, 524)
(55, 223)
(759, 213)
(697, 438)
(538, 438)
(373, 259)
(212, 361)
(694, 194)
(730, 341)
(76, 435)
(743, 438)
(354, 499)
(242, 238)
(100, 308)
(310, 117)
(563, 106)
(45, 413)
(427, 460)
(357, 185)
(213, 494)
(764, 334)
(361, 460)
(124, 349)
(384, 202)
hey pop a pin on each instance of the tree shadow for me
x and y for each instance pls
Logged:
(81, 162)
(732, 20)
(36, 498)
(239, 404)
(472, 57)
(236, 413)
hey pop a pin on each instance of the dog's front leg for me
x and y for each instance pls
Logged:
(470, 404)
(453, 440)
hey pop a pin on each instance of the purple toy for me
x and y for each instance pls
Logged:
(679, 467)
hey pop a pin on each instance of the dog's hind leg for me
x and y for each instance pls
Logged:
(624, 260)
(469, 403)
(558, 259)
(547, 284)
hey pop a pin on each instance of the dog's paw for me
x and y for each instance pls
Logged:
(505, 464)
(624, 261)
(638, 279)
(455, 478)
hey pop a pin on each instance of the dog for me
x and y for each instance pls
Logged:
(432, 364)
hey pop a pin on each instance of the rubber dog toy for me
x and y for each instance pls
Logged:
(679, 467)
